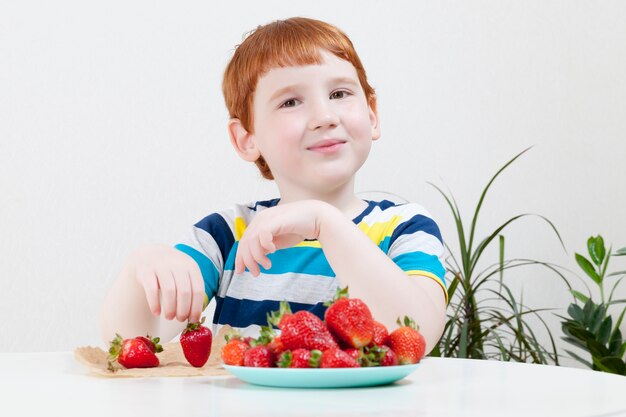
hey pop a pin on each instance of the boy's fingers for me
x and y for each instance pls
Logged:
(168, 293)
(238, 262)
(266, 241)
(198, 295)
(148, 281)
(258, 253)
(183, 294)
(249, 263)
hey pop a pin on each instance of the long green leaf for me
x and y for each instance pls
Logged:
(463, 341)
(484, 193)
(459, 227)
(614, 287)
(579, 359)
(620, 252)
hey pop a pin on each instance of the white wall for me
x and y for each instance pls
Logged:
(112, 132)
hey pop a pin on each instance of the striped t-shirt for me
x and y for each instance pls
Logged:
(301, 274)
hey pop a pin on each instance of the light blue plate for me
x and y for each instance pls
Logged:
(321, 378)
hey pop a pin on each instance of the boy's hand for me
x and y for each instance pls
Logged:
(276, 228)
(171, 281)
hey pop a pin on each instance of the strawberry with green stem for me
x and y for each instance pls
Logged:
(139, 352)
(302, 329)
(407, 342)
(196, 342)
(349, 319)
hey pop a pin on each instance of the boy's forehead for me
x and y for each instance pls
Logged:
(332, 68)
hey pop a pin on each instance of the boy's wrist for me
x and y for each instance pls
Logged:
(327, 219)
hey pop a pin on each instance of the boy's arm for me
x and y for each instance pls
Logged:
(372, 276)
(356, 260)
(157, 285)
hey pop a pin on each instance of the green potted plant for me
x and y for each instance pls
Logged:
(485, 319)
(591, 327)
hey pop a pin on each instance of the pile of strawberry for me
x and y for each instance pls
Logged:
(349, 337)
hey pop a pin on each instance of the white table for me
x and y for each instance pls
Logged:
(56, 384)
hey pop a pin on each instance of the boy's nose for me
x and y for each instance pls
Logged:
(322, 115)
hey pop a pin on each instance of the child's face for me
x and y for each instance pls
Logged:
(313, 125)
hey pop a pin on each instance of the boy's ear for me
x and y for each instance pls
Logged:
(374, 121)
(242, 141)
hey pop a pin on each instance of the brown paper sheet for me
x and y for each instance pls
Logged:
(172, 361)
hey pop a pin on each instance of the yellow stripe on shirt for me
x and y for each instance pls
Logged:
(377, 232)
(431, 276)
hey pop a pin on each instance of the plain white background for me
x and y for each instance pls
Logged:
(113, 134)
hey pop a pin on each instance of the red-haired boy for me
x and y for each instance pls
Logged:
(301, 108)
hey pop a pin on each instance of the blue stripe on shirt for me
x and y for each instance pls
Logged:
(421, 261)
(217, 227)
(302, 260)
(415, 224)
(210, 274)
(243, 313)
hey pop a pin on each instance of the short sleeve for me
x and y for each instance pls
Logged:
(208, 243)
(416, 245)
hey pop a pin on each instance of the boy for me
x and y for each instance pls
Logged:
(301, 108)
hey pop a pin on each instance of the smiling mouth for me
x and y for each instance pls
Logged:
(327, 146)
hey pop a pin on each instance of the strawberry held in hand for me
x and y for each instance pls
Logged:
(196, 343)
(350, 320)
(134, 353)
(407, 342)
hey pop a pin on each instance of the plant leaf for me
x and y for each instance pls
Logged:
(576, 312)
(484, 193)
(620, 252)
(463, 343)
(595, 245)
(611, 364)
(588, 268)
(604, 332)
(579, 359)
(579, 296)
(596, 349)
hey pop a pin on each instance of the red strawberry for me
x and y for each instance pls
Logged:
(259, 357)
(276, 346)
(337, 358)
(407, 342)
(301, 330)
(196, 343)
(390, 358)
(300, 358)
(355, 353)
(350, 320)
(134, 353)
(233, 351)
(381, 334)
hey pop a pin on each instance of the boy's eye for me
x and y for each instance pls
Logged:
(338, 94)
(289, 103)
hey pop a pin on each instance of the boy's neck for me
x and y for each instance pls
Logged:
(343, 199)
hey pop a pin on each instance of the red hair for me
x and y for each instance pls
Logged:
(293, 42)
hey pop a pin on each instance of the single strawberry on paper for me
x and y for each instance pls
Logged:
(196, 342)
(138, 352)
